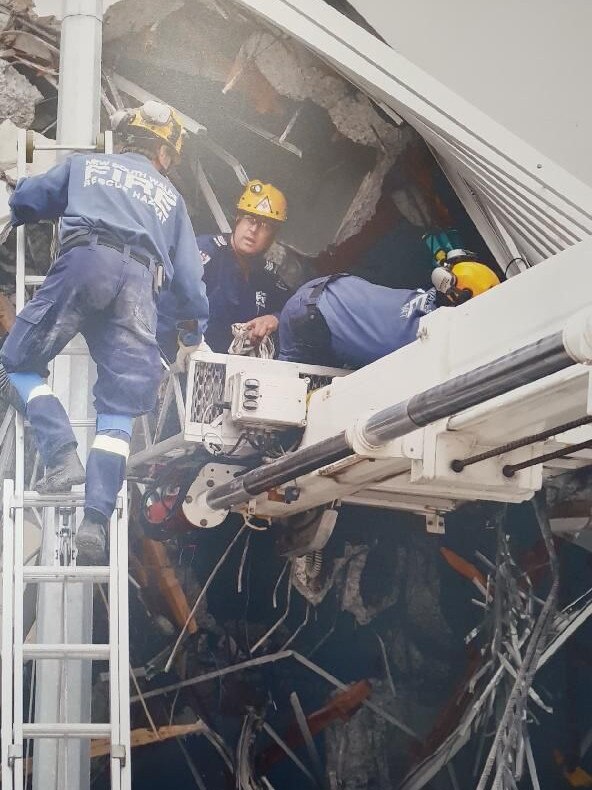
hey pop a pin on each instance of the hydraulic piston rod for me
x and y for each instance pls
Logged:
(523, 366)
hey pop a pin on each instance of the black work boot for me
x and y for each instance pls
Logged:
(91, 541)
(64, 472)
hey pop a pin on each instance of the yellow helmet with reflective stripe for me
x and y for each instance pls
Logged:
(263, 200)
(474, 277)
(152, 119)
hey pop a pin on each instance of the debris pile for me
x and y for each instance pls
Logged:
(518, 634)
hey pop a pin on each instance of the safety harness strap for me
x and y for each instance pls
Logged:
(315, 293)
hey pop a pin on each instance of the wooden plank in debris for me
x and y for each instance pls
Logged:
(158, 565)
(140, 737)
(145, 736)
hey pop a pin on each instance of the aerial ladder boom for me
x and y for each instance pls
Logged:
(469, 411)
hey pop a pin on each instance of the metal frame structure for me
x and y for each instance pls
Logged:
(65, 654)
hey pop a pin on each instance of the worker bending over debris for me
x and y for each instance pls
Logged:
(345, 321)
(125, 230)
(242, 287)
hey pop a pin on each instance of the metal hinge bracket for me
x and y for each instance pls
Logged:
(118, 752)
(435, 523)
(15, 752)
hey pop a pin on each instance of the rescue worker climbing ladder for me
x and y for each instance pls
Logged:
(125, 230)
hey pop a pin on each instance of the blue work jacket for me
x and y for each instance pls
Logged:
(368, 321)
(126, 198)
(232, 297)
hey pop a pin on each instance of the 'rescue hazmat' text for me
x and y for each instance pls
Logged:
(137, 183)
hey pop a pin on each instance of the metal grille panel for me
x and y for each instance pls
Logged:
(208, 389)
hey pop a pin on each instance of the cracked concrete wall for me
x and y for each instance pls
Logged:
(298, 74)
(131, 16)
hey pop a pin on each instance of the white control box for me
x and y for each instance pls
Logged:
(268, 401)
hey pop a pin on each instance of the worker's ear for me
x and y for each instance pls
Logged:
(165, 158)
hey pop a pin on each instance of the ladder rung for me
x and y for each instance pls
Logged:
(34, 279)
(94, 652)
(70, 499)
(58, 573)
(64, 147)
(74, 730)
(91, 422)
(81, 351)
(33, 499)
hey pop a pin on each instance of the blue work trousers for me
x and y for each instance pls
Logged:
(304, 334)
(108, 297)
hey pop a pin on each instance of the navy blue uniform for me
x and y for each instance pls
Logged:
(120, 219)
(346, 321)
(232, 298)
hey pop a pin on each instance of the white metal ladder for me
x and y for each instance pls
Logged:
(60, 513)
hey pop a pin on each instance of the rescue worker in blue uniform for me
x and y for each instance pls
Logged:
(124, 230)
(242, 287)
(345, 321)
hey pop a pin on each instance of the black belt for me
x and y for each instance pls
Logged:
(154, 266)
(113, 244)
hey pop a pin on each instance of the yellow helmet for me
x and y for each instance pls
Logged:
(152, 119)
(263, 200)
(474, 277)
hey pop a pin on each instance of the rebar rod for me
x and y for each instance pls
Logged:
(458, 464)
(510, 470)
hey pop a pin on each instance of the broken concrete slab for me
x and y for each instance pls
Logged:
(131, 16)
(17, 96)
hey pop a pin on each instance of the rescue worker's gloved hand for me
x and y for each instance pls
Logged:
(184, 353)
(243, 346)
(259, 328)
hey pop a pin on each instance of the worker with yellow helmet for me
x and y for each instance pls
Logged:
(345, 321)
(242, 285)
(124, 232)
(460, 276)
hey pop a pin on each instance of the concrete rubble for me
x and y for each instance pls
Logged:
(17, 96)
(296, 73)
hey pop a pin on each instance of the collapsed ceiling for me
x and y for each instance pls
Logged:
(279, 113)
(403, 616)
